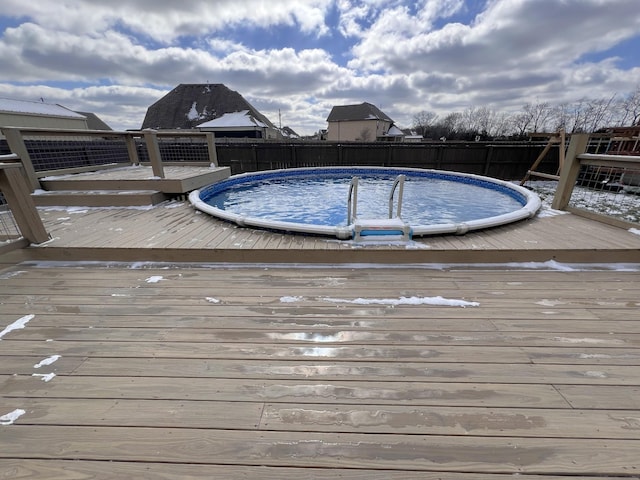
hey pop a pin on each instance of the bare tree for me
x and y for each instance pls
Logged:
(630, 109)
(450, 124)
(423, 120)
(598, 113)
(540, 114)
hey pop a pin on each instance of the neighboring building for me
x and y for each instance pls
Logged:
(195, 105)
(394, 134)
(20, 113)
(357, 123)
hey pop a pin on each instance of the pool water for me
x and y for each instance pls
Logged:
(314, 201)
(322, 199)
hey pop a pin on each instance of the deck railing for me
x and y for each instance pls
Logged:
(47, 152)
(21, 223)
(602, 187)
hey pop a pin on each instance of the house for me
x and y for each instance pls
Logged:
(190, 106)
(357, 123)
(20, 113)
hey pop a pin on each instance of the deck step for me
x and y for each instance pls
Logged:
(98, 198)
(177, 180)
(381, 229)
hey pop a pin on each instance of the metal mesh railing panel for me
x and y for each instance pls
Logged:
(611, 191)
(52, 154)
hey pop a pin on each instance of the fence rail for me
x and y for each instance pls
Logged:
(602, 187)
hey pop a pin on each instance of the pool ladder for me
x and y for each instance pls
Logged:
(375, 228)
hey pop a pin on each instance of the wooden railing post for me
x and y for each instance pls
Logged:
(571, 169)
(151, 139)
(17, 146)
(18, 196)
(132, 149)
(211, 145)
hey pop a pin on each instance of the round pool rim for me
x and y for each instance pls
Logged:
(531, 202)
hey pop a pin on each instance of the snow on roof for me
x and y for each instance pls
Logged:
(235, 119)
(395, 131)
(36, 108)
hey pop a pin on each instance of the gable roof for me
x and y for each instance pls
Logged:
(362, 111)
(36, 108)
(190, 105)
(94, 122)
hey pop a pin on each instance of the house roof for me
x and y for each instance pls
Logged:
(288, 132)
(394, 132)
(94, 122)
(190, 105)
(37, 108)
(362, 111)
(243, 119)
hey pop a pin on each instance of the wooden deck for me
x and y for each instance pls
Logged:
(223, 352)
(319, 373)
(176, 232)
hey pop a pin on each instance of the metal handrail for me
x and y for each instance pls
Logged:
(399, 181)
(352, 201)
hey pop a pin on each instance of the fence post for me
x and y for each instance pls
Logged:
(132, 149)
(211, 146)
(153, 148)
(569, 173)
(18, 195)
(17, 146)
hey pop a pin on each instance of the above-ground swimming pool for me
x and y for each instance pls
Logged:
(321, 201)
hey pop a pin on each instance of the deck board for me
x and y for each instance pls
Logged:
(178, 371)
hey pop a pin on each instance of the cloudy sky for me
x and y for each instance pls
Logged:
(301, 57)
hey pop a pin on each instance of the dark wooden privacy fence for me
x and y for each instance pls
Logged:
(507, 161)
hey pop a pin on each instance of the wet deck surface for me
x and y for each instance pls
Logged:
(358, 373)
(175, 231)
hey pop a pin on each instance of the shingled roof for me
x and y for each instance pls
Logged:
(94, 122)
(189, 105)
(362, 111)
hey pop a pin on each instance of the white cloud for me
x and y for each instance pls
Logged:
(118, 57)
(164, 20)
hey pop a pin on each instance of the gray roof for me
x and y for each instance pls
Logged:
(189, 105)
(362, 111)
(94, 122)
(36, 108)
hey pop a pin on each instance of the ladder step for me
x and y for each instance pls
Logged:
(383, 227)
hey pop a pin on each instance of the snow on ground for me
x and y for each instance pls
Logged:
(9, 418)
(47, 361)
(17, 325)
(405, 301)
(45, 377)
(154, 279)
